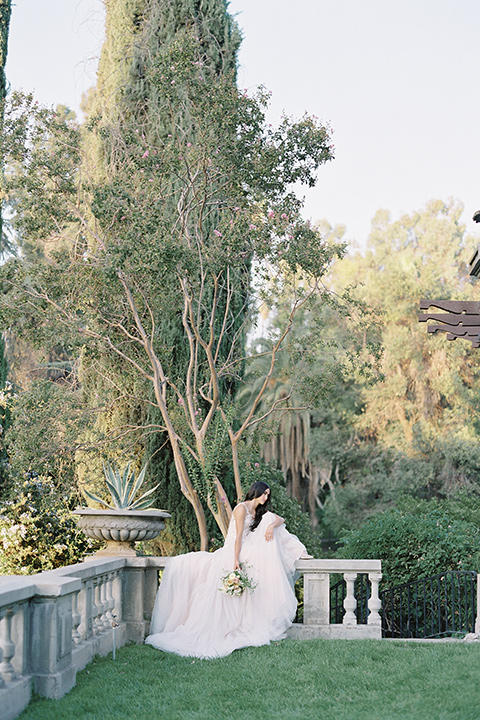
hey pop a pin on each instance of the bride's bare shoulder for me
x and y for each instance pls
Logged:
(240, 510)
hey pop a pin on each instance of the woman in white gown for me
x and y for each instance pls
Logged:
(193, 617)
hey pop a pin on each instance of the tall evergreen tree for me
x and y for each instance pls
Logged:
(137, 31)
(5, 14)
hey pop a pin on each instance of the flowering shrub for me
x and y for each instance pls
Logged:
(37, 532)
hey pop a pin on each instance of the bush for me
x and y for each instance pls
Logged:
(416, 542)
(37, 531)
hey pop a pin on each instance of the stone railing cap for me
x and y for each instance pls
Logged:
(333, 565)
(56, 586)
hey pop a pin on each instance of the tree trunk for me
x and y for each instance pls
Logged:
(186, 485)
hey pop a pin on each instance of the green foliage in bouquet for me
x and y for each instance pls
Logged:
(124, 488)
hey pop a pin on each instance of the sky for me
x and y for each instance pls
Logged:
(396, 80)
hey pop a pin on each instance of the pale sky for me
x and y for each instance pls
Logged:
(396, 79)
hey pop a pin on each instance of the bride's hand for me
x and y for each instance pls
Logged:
(236, 566)
(269, 532)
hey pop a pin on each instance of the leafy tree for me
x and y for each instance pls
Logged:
(136, 32)
(427, 381)
(5, 14)
(314, 389)
(416, 431)
(130, 261)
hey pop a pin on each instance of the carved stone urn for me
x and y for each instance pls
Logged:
(120, 528)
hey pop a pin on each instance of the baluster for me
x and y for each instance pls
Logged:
(76, 620)
(477, 620)
(350, 602)
(105, 604)
(101, 606)
(6, 668)
(374, 603)
(110, 598)
(2, 681)
(117, 592)
(97, 607)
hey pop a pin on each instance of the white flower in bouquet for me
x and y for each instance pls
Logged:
(235, 583)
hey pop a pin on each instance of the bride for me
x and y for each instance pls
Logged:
(193, 617)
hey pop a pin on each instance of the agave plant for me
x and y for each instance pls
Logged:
(123, 489)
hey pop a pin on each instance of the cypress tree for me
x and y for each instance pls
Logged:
(5, 14)
(136, 32)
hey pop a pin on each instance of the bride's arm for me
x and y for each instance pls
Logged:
(270, 528)
(239, 514)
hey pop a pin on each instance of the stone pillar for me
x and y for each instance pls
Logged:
(51, 637)
(316, 598)
(151, 588)
(139, 589)
(133, 594)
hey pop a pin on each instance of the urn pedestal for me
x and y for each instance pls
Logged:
(120, 528)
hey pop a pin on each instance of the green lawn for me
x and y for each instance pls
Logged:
(292, 680)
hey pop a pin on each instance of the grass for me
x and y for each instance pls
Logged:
(292, 680)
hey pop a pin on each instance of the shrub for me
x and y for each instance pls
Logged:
(37, 531)
(413, 543)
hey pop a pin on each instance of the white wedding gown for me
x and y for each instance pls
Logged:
(193, 617)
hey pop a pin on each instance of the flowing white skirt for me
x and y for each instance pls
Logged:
(193, 617)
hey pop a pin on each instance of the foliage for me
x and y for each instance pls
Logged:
(430, 386)
(5, 14)
(123, 489)
(136, 34)
(6, 400)
(37, 531)
(333, 348)
(46, 418)
(416, 431)
(417, 540)
(129, 261)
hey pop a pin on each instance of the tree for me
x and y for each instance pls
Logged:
(130, 261)
(136, 32)
(6, 245)
(316, 383)
(417, 431)
(427, 381)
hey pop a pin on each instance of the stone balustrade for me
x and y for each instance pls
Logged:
(316, 591)
(53, 623)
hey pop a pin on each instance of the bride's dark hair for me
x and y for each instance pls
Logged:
(255, 491)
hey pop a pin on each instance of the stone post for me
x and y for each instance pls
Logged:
(133, 595)
(316, 600)
(51, 637)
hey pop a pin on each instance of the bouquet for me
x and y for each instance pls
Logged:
(236, 582)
